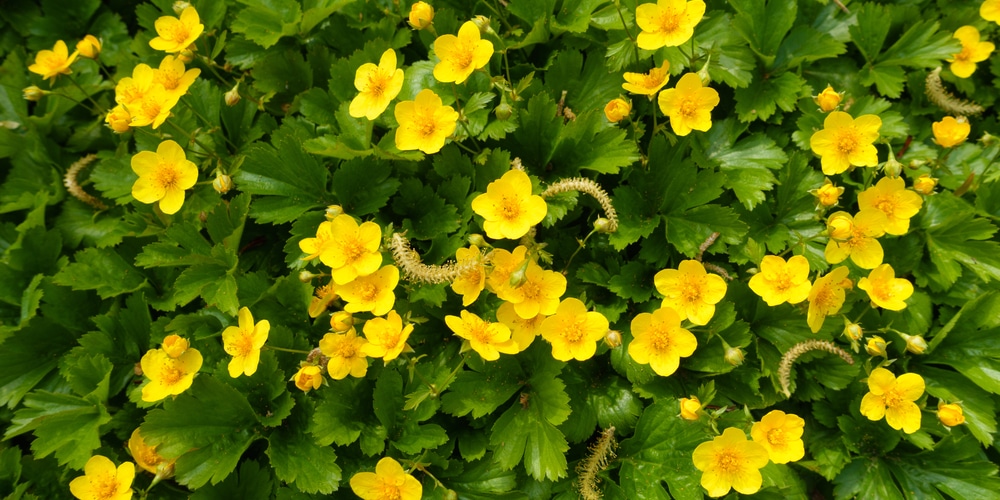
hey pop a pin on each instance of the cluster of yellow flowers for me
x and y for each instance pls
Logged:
(103, 481)
(52, 63)
(170, 369)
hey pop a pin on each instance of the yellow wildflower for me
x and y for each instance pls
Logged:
(840, 225)
(175, 34)
(352, 250)
(55, 62)
(504, 264)
(345, 351)
(925, 184)
(322, 243)
(573, 331)
(690, 408)
(779, 281)
(421, 15)
(827, 297)
(163, 176)
(730, 462)
(894, 398)
(147, 457)
(828, 195)
(522, 331)
(689, 105)
(119, 119)
(308, 377)
(509, 207)
(102, 481)
(950, 414)
(153, 109)
(322, 297)
(846, 141)
(377, 86)
(539, 294)
(885, 289)
(617, 109)
(781, 435)
(386, 337)
(244, 342)
(990, 10)
(876, 346)
(388, 481)
(647, 83)
(173, 76)
(660, 342)
(667, 23)
(424, 123)
(341, 321)
(973, 51)
(373, 292)
(461, 55)
(951, 131)
(691, 291)
(861, 246)
(486, 338)
(471, 282)
(828, 99)
(89, 47)
(168, 376)
(891, 197)
(130, 90)
(175, 345)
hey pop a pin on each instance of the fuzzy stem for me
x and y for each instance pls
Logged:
(590, 187)
(785, 368)
(943, 99)
(596, 462)
(74, 189)
(409, 261)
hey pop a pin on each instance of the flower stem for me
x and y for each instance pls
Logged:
(282, 349)
(635, 44)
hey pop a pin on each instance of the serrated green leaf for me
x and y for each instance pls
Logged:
(266, 21)
(483, 389)
(63, 424)
(660, 450)
(432, 215)
(870, 31)
(887, 79)
(251, 482)
(764, 23)
(805, 44)
(89, 376)
(296, 457)
(100, 270)
(922, 46)
(28, 355)
(978, 407)
(318, 11)
(338, 417)
(761, 99)
(687, 230)
(363, 187)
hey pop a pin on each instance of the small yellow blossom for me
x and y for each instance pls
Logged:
(308, 377)
(781, 435)
(33, 93)
(89, 47)
(168, 375)
(176, 34)
(345, 351)
(130, 89)
(389, 481)
(828, 195)
(891, 198)
(472, 281)
(861, 245)
(222, 183)
(509, 207)
(386, 337)
(925, 184)
(617, 109)
(950, 414)
(461, 55)
(119, 119)
(55, 62)
(690, 291)
(690, 408)
(689, 105)
(885, 289)
(846, 141)
(175, 345)
(147, 457)
(163, 176)
(322, 243)
(352, 249)
(779, 281)
(486, 338)
(667, 23)
(378, 85)
(244, 342)
(963, 64)
(341, 321)
(951, 131)
(539, 294)
(647, 83)
(894, 398)
(734, 356)
(828, 99)
(827, 297)
(573, 331)
(153, 109)
(504, 264)
(522, 331)
(322, 297)
(876, 346)
(373, 292)
(421, 15)
(853, 331)
(660, 342)
(990, 10)
(102, 481)
(730, 461)
(174, 77)
(424, 123)
(840, 226)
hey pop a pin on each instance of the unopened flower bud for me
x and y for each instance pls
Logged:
(10, 125)
(828, 99)
(613, 338)
(520, 275)
(478, 240)
(89, 47)
(602, 225)
(187, 55)
(892, 168)
(233, 96)
(925, 184)
(989, 139)
(853, 331)
(308, 378)
(876, 346)
(306, 276)
(950, 414)
(828, 195)
(33, 93)
(341, 321)
(119, 119)
(175, 345)
(617, 109)
(179, 6)
(483, 23)
(222, 183)
(333, 211)
(734, 356)
(690, 408)
(915, 343)
(840, 225)
(421, 15)
(915, 164)
(503, 111)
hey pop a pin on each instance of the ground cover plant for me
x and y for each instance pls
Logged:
(499, 249)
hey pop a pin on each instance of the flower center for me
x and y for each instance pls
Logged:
(170, 374)
(168, 79)
(462, 58)
(776, 437)
(660, 338)
(887, 206)
(892, 398)
(105, 486)
(669, 20)
(782, 282)
(824, 299)
(166, 177)
(176, 32)
(346, 349)
(425, 126)
(510, 208)
(847, 141)
(388, 491)
(728, 461)
(151, 106)
(531, 291)
(691, 291)
(965, 55)
(689, 107)
(480, 333)
(367, 292)
(353, 250)
(573, 332)
(243, 344)
(377, 82)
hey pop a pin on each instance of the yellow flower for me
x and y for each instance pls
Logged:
(779, 282)
(172, 75)
(781, 435)
(876, 346)
(690, 291)
(351, 250)
(319, 245)
(846, 141)
(690, 408)
(163, 176)
(667, 23)
(461, 55)
(973, 51)
(840, 226)
(861, 246)
(345, 353)
(730, 461)
(243, 343)
(424, 123)
(308, 377)
(539, 294)
(52, 63)
(486, 338)
(659, 341)
(322, 297)
(990, 10)
(826, 297)
(421, 15)
(925, 184)
(573, 331)
(341, 321)
(130, 89)
(828, 99)
(522, 331)
(509, 207)
(389, 481)
(828, 195)
(175, 345)
(386, 337)
(504, 264)
(102, 481)
(147, 457)
(647, 83)
(617, 109)
(471, 282)
(378, 85)
(89, 47)
(373, 292)
(891, 197)
(950, 414)
(950, 132)
(168, 376)
(689, 105)
(894, 398)
(176, 34)
(153, 109)
(885, 289)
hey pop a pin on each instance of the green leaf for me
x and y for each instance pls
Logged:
(431, 215)
(954, 235)
(479, 480)
(870, 31)
(388, 398)
(265, 390)
(687, 230)
(266, 21)
(762, 98)
(531, 10)
(100, 270)
(922, 46)
(483, 389)
(250, 483)
(764, 23)
(888, 79)
(416, 438)
(631, 282)
(574, 17)
(660, 450)
(30, 354)
(363, 187)
(730, 60)
(321, 10)
(977, 405)
(63, 424)
(805, 44)
(866, 477)
(296, 457)
(747, 163)
(537, 137)
(89, 376)
(338, 417)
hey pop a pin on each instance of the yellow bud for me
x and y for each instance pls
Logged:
(690, 408)
(233, 96)
(828, 195)
(119, 119)
(828, 99)
(333, 211)
(308, 378)
(951, 131)
(175, 345)
(602, 225)
(421, 15)
(341, 321)
(613, 338)
(925, 184)
(89, 47)
(222, 183)
(734, 356)
(950, 414)
(179, 6)
(33, 93)
(840, 225)
(915, 344)
(892, 168)
(853, 331)
(187, 55)
(876, 346)
(617, 109)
